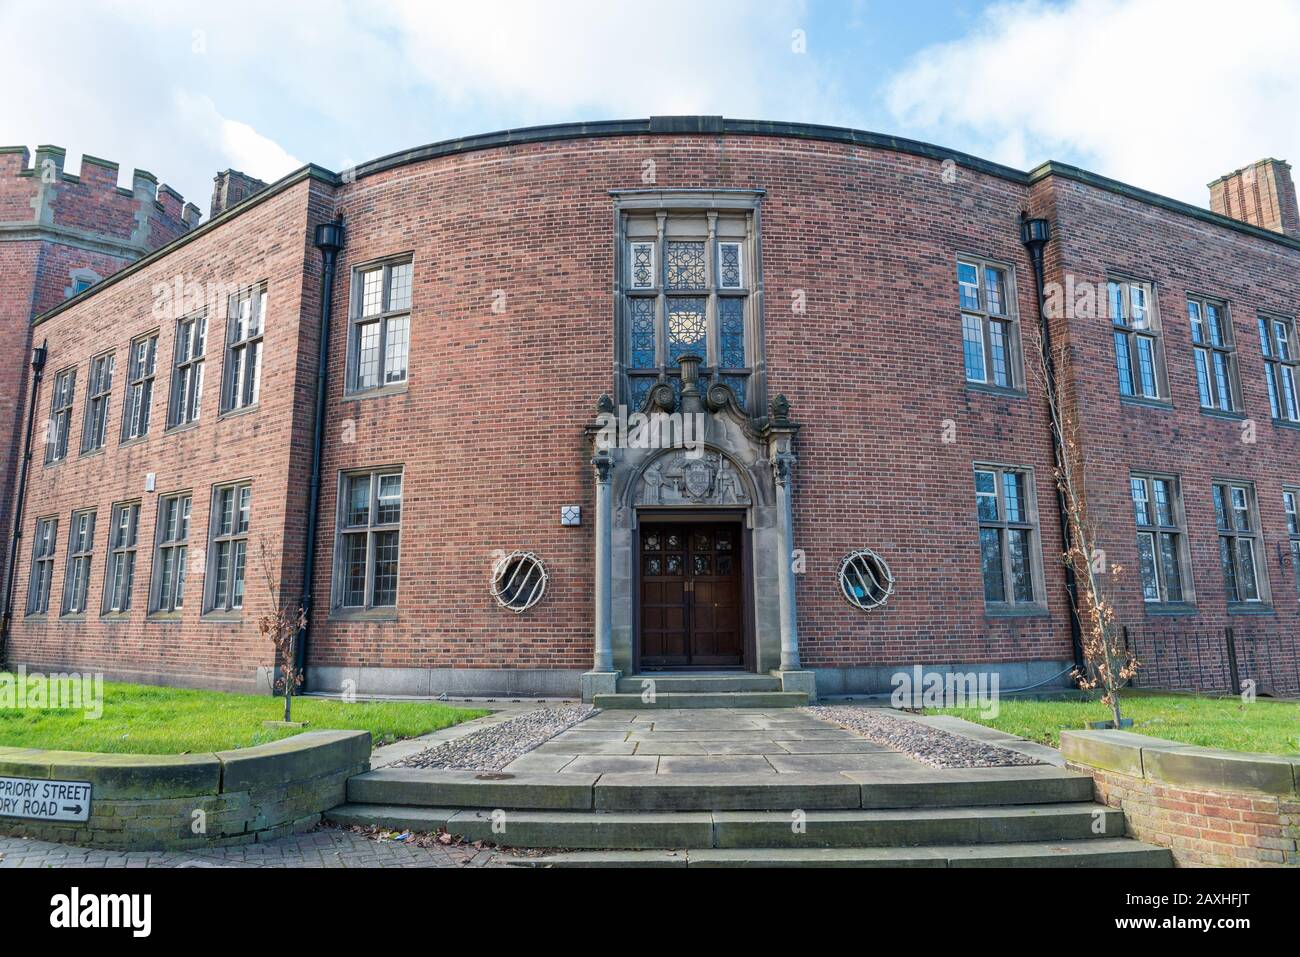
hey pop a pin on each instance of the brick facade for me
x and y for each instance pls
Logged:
(56, 229)
(512, 341)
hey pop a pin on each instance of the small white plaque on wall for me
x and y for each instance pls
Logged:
(570, 515)
(150, 480)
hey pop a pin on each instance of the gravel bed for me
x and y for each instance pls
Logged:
(493, 747)
(938, 749)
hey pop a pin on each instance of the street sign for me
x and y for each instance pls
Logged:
(40, 800)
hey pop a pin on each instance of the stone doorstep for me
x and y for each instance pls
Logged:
(633, 791)
(1105, 852)
(751, 829)
(674, 701)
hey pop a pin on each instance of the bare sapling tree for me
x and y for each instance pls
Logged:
(1108, 663)
(281, 626)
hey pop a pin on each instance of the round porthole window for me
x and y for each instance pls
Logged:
(519, 581)
(865, 579)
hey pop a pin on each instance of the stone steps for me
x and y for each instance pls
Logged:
(674, 700)
(1105, 852)
(701, 684)
(803, 830)
(416, 787)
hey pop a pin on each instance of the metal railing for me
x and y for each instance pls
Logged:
(1229, 659)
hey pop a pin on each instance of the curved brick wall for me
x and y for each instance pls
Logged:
(489, 429)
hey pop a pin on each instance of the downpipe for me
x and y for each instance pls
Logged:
(39, 355)
(330, 237)
(1035, 234)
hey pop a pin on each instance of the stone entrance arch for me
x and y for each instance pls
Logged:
(735, 465)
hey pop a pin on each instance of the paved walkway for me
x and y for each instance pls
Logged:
(325, 847)
(709, 741)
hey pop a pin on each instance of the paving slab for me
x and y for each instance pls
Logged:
(670, 747)
(831, 746)
(805, 763)
(716, 764)
(539, 763)
(612, 764)
(561, 744)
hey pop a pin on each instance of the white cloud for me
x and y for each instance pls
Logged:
(235, 144)
(184, 88)
(620, 58)
(1161, 94)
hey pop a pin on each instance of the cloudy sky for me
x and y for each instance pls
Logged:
(1164, 94)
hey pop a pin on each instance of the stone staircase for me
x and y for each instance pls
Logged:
(717, 690)
(1038, 816)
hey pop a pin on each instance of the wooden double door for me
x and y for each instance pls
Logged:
(691, 595)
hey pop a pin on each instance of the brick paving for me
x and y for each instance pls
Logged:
(324, 847)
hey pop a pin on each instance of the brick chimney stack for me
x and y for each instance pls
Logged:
(1262, 194)
(231, 187)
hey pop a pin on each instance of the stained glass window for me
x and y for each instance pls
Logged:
(731, 332)
(642, 331)
(687, 327)
(730, 274)
(685, 265)
(643, 265)
(686, 295)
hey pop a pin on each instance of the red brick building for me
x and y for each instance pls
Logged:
(850, 320)
(60, 233)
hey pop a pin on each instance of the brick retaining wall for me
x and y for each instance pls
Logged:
(1211, 808)
(142, 801)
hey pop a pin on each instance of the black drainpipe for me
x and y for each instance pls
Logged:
(1035, 234)
(38, 369)
(329, 240)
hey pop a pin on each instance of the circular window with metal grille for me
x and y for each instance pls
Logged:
(519, 581)
(865, 579)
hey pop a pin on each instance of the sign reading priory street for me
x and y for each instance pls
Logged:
(44, 800)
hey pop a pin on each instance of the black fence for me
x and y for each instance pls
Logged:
(1220, 660)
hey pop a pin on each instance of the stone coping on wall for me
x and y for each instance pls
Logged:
(143, 801)
(1183, 765)
(1210, 807)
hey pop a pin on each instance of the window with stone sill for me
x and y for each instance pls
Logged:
(1291, 503)
(76, 577)
(1215, 354)
(242, 370)
(379, 325)
(99, 388)
(1009, 543)
(171, 545)
(687, 289)
(1161, 539)
(990, 324)
(141, 363)
(1139, 346)
(1236, 514)
(187, 370)
(120, 573)
(228, 547)
(1277, 340)
(44, 542)
(61, 395)
(368, 541)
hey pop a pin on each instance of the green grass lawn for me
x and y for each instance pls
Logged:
(1271, 727)
(143, 719)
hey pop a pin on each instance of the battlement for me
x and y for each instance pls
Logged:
(39, 192)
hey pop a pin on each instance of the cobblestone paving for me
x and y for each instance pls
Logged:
(325, 847)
